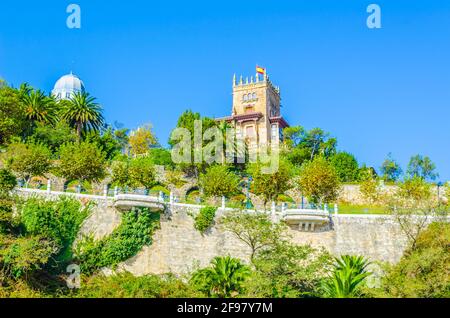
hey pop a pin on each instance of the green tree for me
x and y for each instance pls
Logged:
(369, 186)
(415, 188)
(304, 145)
(12, 115)
(270, 185)
(29, 160)
(38, 107)
(106, 142)
(319, 181)
(54, 136)
(348, 277)
(423, 167)
(346, 166)
(82, 113)
(224, 278)
(187, 120)
(390, 169)
(218, 180)
(423, 270)
(142, 140)
(142, 172)
(288, 270)
(81, 161)
(162, 157)
(256, 230)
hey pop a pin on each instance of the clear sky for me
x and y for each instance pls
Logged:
(375, 90)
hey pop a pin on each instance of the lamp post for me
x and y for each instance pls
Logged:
(248, 204)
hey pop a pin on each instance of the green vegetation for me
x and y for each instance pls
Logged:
(422, 167)
(205, 219)
(59, 220)
(288, 270)
(28, 160)
(346, 166)
(348, 277)
(133, 233)
(223, 279)
(423, 271)
(390, 169)
(218, 181)
(82, 113)
(257, 230)
(319, 181)
(81, 161)
(346, 208)
(125, 285)
(270, 185)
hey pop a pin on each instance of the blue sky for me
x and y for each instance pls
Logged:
(376, 91)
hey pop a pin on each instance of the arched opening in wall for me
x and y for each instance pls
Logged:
(38, 183)
(193, 195)
(284, 198)
(74, 186)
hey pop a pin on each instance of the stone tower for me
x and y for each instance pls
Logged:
(256, 111)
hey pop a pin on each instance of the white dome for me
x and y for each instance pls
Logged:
(67, 85)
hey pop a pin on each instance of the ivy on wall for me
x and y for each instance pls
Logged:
(127, 240)
(205, 218)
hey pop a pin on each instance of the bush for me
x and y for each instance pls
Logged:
(125, 285)
(219, 181)
(133, 233)
(205, 218)
(59, 220)
(19, 256)
(423, 270)
(7, 182)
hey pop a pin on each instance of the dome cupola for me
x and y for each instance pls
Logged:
(66, 86)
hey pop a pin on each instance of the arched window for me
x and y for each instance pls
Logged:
(245, 97)
(254, 96)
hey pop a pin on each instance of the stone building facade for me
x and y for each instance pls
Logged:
(256, 111)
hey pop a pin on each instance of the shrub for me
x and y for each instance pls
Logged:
(423, 270)
(19, 256)
(205, 218)
(224, 278)
(7, 182)
(219, 181)
(288, 270)
(59, 220)
(127, 239)
(125, 285)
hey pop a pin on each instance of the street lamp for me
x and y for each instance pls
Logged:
(248, 205)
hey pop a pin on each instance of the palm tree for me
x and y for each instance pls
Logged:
(348, 276)
(82, 113)
(38, 106)
(223, 278)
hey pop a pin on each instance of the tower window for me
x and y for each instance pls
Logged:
(245, 97)
(254, 96)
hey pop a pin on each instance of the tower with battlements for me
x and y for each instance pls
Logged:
(256, 113)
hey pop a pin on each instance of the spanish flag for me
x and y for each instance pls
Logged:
(260, 70)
